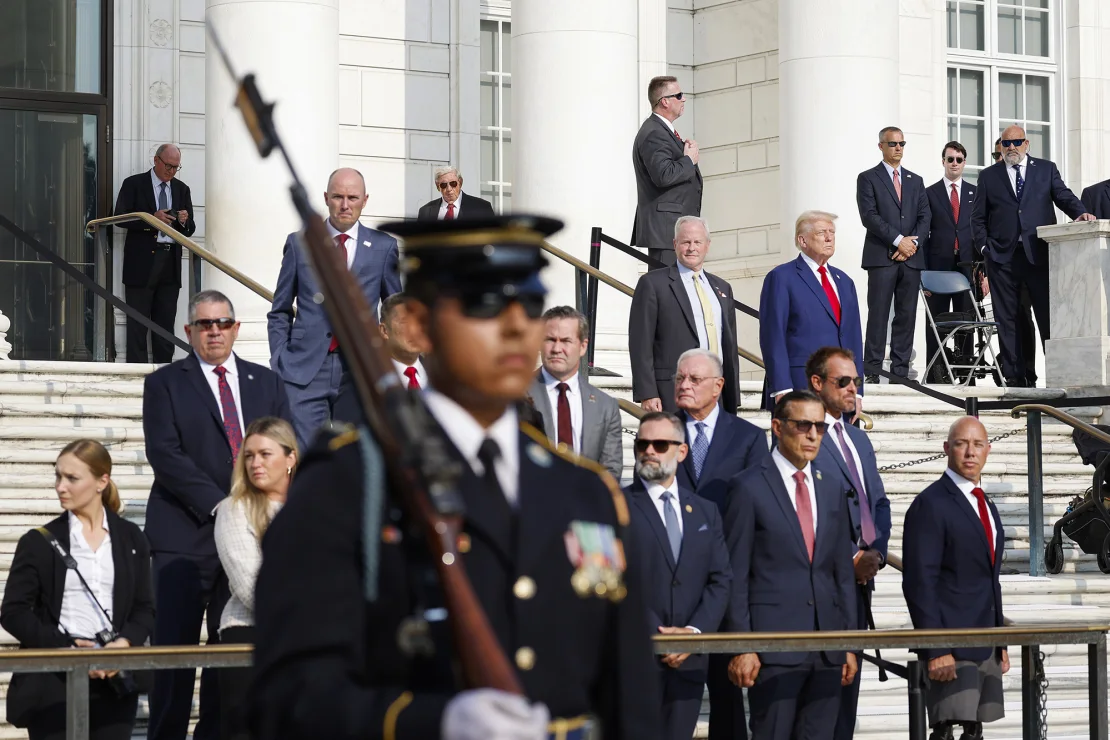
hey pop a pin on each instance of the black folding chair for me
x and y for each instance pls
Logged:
(957, 326)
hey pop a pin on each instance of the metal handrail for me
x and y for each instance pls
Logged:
(1063, 416)
(187, 243)
(632, 409)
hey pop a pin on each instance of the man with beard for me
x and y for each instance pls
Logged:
(686, 570)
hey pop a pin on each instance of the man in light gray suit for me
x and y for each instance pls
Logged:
(585, 419)
(668, 180)
(302, 349)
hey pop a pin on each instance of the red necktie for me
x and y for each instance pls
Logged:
(680, 141)
(805, 510)
(231, 414)
(450, 212)
(985, 518)
(897, 186)
(955, 201)
(341, 243)
(410, 373)
(566, 431)
(834, 302)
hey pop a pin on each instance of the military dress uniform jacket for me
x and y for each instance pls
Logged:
(328, 662)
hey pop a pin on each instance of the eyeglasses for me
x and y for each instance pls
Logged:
(676, 96)
(1007, 143)
(660, 445)
(489, 305)
(996, 156)
(444, 185)
(804, 425)
(957, 160)
(168, 166)
(222, 324)
(679, 379)
(893, 144)
(845, 380)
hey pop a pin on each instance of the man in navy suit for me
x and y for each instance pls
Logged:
(194, 414)
(1097, 199)
(1014, 197)
(684, 564)
(895, 211)
(952, 553)
(806, 304)
(786, 524)
(832, 378)
(453, 202)
(302, 349)
(950, 242)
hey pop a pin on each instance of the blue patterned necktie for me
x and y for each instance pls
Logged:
(1020, 182)
(670, 521)
(699, 449)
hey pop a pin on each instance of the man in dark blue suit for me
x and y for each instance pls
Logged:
(806, 304)
(832, 378)
(950, 242)
(952, 553)
(786, 524)
(194, 414)
(721, 445)
(302, 349)
(684, 564)
(895, 211)
(1014, 197)
(1097, 199)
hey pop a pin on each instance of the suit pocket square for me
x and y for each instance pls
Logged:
(703, 528)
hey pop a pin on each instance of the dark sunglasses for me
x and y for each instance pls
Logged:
(844, 380)
(1012, 142)
(660, 445)
(893, 144)
(804, 425)
(676, 96)
(490, 305)
(444, 185)
(957, 160)
(996, 156)
(222, 324)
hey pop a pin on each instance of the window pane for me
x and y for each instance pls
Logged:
(953, 129)
(1036, 34)
(487, 93)
(489, 164)
(952, 42)
(1009, 30)
(1036, 98)
(1038, 140)
(487, 43)
(953, 100)
(1009, 96)
(506, 48)
(972, 176)
(51, 45)
(972, 32)
(507, 158)
(971, 93)
(971, 136)
(1036, 3)
(506, 102)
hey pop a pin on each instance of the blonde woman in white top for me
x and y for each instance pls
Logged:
(259, 484)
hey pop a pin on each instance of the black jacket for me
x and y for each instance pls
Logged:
(668, 185)
(137, 194)
(1097, 199)
(885, 217)
(944, 231)
(470, 206)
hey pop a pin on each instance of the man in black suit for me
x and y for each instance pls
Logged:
(685, 564)
(1014, 197)
(668, 179)
(1097, 199)
(195, 411)
(454, 203)
(152, 260)
(895, 211)
(785, 524)
(679, 308)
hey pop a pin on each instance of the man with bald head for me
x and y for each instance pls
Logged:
(152, 260)
(1015, 196)
(952, 553)
(303, 350)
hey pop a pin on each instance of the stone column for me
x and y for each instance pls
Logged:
(653, 47)
(290, 46)
(1078, 355)
(576, 95)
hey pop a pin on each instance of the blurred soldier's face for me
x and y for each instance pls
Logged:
(967, 448)
(799, 445)
(346, 197)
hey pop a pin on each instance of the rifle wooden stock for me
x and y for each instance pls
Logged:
(395, 416)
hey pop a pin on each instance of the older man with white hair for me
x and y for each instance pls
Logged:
(453, 202)
(806, 304)
(678, 308)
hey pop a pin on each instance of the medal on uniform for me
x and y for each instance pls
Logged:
(597, 555)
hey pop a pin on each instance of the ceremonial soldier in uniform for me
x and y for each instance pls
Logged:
(341, 604)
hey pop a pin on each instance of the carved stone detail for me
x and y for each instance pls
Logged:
(161, 32)
(161, 94)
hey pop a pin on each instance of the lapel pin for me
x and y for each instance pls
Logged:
(367, 244)
(539, 455)
(593, 398)
(689, 509)
(818, 473)
(250, 377)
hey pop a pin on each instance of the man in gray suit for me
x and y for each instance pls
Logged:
(585, 419)
(668, 180)
(302, 349)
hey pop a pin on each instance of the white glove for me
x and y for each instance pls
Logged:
(488, 714)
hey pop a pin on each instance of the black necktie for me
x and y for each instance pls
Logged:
(488, 454)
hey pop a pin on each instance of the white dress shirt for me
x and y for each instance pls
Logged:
(902, 182)
(574, 400)
(352, 241)
(966, 487)
(421, 373)
(232, 382)
(467, 435)
(833, 423)
(169, 201)
(80, 616)
(710, 425)
(958, 182)
(443, 208)
(1022, 165)
(787, 471)
(665, 121)
(241, 557)
(688, 276)
(655, 491)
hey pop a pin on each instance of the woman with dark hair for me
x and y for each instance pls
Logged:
(259, 483)
(105, 601)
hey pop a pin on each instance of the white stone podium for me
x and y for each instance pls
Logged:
(1078, 354)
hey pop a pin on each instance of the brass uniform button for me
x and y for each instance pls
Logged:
(525, 658)
(524, 588)
(463, 543)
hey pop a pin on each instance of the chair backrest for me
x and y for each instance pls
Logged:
(943, 282)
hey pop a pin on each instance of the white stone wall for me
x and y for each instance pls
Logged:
(1086, 71)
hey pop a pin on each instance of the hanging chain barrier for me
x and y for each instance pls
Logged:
(1040, 682)
(942, 455)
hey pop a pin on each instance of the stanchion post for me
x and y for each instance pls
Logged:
(1030, 704)
(591, 291)
(77, 703)
(918, 724)
(1036, 495)
(1096, 688)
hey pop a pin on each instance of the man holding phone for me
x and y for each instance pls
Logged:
(151, 259)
